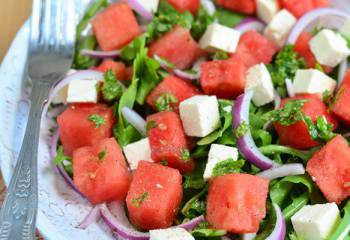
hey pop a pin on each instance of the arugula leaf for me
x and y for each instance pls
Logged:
(111, 89)
(97, 119)
(285, 66)
(297, 203)
(195, 206)
(60, 157)
(207, 232)
(225, 109)
(228, 18)
(194, 180)
(273, 149)
(289, 114)
(343, 229)
(228, 166)
(164, 102)
(129, 52)
(202, 21)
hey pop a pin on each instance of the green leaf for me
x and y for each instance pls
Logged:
(129, 52)
(220, 55)
(321, 130)
(195, 206)
(60, 157)
(185, 155)
(228, 166)
(111, 89)
(97, 119)
(81, 61)
(208, 232)
(228, 18)
(194, 180)
(279, 149)
(201, 22)
(295, 206)
(342, 230)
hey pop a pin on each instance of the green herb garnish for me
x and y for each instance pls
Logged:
(228, 166)
(289, 114)
(101, 155)
(97, 119)
(111, 89)
(164, 101)
(185, 155)
(241, 130)
(136, 202)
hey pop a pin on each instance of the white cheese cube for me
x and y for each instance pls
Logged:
(312, 81)
(346, 27)
(82, 91)
(316, 222)
(137, 151)
(329, 48)
(219, 37)
(267, 9)
(61, 96)
(218, 153)
(200, 115)
(170, 234)
(280, 26)
(259, 79)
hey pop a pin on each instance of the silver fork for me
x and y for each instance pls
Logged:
(50, 57)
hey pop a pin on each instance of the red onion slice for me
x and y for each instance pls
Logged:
(100, 54)
(135, 120)
(249, 236)
(245, 144)
(277, 99)
(138, 6)
(342, 70)
(92, 217)
(283, 171)
(115, 217)
(322, 17)
(279, 231)
(209, 6)
(290, 88)
(250, 23)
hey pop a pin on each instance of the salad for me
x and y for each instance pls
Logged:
(209, 120)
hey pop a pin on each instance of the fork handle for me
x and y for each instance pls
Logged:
(19, 210)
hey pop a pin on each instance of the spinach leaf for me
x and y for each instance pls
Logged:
(228, 18)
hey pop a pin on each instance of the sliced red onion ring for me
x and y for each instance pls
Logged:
(100, 54)
(135, 120)
(60, 169)
(321, 17)
(342, 70)
(197, 65)
(209, 6)
(139, 7)
(246, 145)
(277, 99)
(249, 236)
(279, 231)
(283, 171)
(92, 217)
(115, 217)
(187, 75)
(250, 23)
(163, 63)
(290, 88)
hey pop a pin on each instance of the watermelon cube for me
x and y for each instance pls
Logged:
(237, 202)
(185, 5)
(253, 48)
(223, 78)
(297, 135)
(330, 169)
(100, 172)
(178, 47)
(118, 68)
(175, 90)
(299, 8)
(115, 27)
(168, 141)
(154, 196)
(246, 6)
(341, 107)
(76, 130)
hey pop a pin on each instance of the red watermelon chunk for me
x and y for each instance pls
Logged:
(115, 27)
(175, 87)
(297, 135)
(100, 172)
(236, 202)
(341, 106)
(185, 5)
(224, 78)
(299, 8)
(168, 142)
(330, 169)
(245, 6)
(178, 47)
(154, 196)
(77, 131)
(253, 48)
(303, 49)
(118, 68)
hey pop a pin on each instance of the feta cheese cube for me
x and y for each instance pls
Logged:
(61, 96)
(137, 151)
(219, 37)
(313, 81)
(170, 234)
(267, 9)
(258, 78)
(316, 222)
(218, 153)
(329, 48)
(346, 27)
(279, 27)
(82, 91)
(149, 5)
(200, 115)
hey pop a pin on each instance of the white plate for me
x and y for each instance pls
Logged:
(60, 208)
